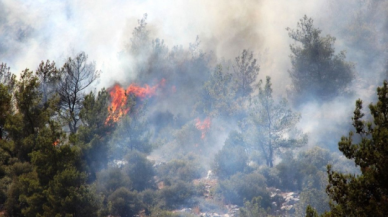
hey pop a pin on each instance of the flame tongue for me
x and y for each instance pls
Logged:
(119, 98)
(203, 126)
(141, 92)
(56, 142)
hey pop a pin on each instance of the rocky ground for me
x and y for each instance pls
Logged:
(286, 201)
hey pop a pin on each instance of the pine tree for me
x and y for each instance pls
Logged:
(74, 78)
(316, 70)
(95, 132)
(273, 124)
(140, 38)
(5, 107)
(217, 96)
(365, 194)
(246, 70)
(43, 174)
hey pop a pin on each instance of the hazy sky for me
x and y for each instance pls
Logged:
(31, 30)
(36, 30)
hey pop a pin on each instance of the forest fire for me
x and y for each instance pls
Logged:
(119, 96)
(158, 122)
(141, 92)
(119, 99)
(203, 126)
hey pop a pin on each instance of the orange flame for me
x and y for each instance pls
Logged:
(119, 98)
(203, 126)
(56, 142)
(141, 92)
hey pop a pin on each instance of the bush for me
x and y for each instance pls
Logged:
(317, 157)
(271, 175)
(242, 187)
(111, 179)
(317, 199)
(157, 212)
(140, 170)
(232, 158)
(253, 209)
(306, 171)
(177, 194)
(124, 203)
(179, 170)
(149, 199)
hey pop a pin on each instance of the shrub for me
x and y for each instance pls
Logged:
(241, 186)
(124, 203)
(232, 158)
(179, 170)
(140, 170)
(177, 194)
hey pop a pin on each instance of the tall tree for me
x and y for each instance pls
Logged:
(31, 137)
(217, 96)
(232, 158)
(140, 170)
(46, 172)
(140, 38)
(31, 116)
(274, 124)
(94, 134)
(48, 78)
(365, 194)
(7, 83)
(5, 99)
(75, 76)
(6, 77)
(316, 70)
(246, 70)
(132, 132)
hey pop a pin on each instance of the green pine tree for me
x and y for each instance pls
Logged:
(273, 124)
(365, 194)
(95, 132)
(316, 70)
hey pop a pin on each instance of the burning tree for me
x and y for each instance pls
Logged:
(119, 96)
(273, 124)
(203, 126)
(118, 106)
(132, 132)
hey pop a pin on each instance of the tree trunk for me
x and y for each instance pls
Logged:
(270, 156)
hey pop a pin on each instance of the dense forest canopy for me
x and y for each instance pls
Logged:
(219, 109)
